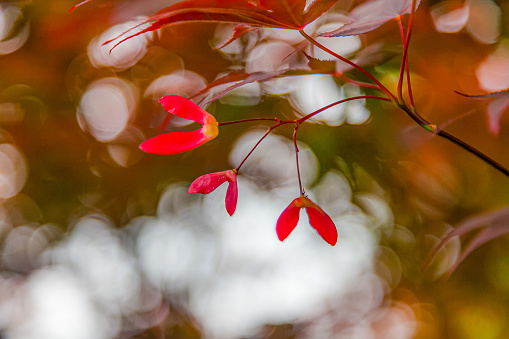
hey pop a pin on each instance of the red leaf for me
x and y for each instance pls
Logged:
(231, 11)
(209, 182)
(288, 220)
(316, 9)
(273, 13)
(291, 11)
(370, 15)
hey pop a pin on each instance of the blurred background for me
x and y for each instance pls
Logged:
(99, 240)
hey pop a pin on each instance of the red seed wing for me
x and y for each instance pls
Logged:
(323, 224)
(207, 183)
(185, 109)
(175, 142)
(231, 196)
(287, 221)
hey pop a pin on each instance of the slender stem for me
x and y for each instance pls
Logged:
(78, 5)
(247, 120)
(436, 130)
(404, 63)
(404, 67)
(297, 123)
(302, 193)
(259, 141)
(165, 122)
(358, 83)
(419, 119)
(473, 150)
(312, 114)
(409, 87)
(354, 65)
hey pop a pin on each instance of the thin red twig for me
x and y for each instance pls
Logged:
(353, 64)
(247, 120)
(256, 145)
(310, 115)
(404, 61)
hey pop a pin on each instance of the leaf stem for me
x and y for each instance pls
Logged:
(473, 150)
(259, 141)
(310, 115)
(297, 123)
(247, 120)
(357, 83)
(404, 61)
(302, 192)
(404, 69)
(353, 64)
(438, 131)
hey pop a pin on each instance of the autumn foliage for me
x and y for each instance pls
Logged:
(249, 15)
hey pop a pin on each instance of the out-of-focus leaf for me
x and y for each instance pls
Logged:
(321, 65)
(481, 18)
(492, 95)
(484, 21)
(247, 78)
(449, 18)
(370, 15)
(238, 31)
(258, 76)
(495, 109)
(20, 22)
(493, 225)
(229, 78)
(276, 14)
